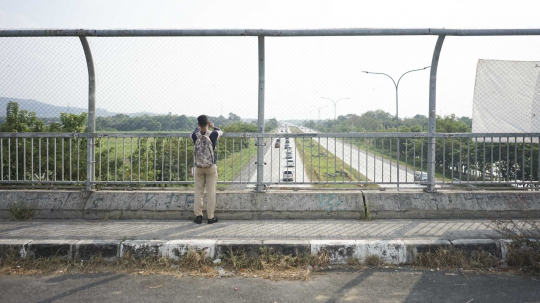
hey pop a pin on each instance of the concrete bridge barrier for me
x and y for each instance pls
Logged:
(64, 204)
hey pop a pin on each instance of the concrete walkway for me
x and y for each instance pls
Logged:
(248, 230)
(394, 241)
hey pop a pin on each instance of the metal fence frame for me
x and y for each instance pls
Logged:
(261, 34)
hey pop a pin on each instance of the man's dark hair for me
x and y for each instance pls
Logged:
(202, 120)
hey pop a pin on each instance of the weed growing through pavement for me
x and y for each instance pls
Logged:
(373, 261)
(523, 247)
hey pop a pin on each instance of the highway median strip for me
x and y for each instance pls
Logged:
(321, 165)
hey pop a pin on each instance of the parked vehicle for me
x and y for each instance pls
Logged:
(288, 157)
(288, 175)
(276, 145)
(290, 162)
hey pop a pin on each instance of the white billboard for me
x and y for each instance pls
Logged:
(506, 97)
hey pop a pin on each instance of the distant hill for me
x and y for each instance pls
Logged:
(47, 110)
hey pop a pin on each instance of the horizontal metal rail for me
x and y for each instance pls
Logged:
(290, 159)
(265, 32)
(271, 135)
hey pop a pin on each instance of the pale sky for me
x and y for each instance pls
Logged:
(219, 75)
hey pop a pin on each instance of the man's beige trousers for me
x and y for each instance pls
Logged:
(205, 177)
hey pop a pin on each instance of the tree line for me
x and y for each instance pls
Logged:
(52, 158)
(165, 123)
(381, 121)
(471, 158)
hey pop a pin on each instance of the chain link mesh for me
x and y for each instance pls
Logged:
(312, 84)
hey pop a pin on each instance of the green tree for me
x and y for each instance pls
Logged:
(20, 121)
(234, 117)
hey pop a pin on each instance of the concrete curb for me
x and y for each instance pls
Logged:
(340, 251)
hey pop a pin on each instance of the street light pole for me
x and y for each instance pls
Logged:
(396, 85)
(335, 104)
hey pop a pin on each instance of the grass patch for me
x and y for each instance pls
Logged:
(323, 166)
(446, 258)
(21, 211)
(266, 263)
(231, 167)
(373, 261)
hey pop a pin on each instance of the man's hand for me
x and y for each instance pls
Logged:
(211, 124)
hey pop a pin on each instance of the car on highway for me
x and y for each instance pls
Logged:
(420, 176)
(288, 157)
(288, 175)
(287, 146)
(286, 140)
(276, 145)
(290, 162)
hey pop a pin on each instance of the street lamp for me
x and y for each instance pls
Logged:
(335, 104)
(396, 86)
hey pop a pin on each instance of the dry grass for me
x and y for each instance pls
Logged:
(266, 264)
(373, 261)
(269, 264)
(446, 258)
(523, 250)
(192, 263)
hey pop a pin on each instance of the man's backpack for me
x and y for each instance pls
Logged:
(204, 152)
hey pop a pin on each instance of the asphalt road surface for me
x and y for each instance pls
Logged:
(372, 285)
(373, 167)
(276, 164)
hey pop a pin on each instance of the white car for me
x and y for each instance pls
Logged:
(290, 162)
(288, 175)
(420, 176)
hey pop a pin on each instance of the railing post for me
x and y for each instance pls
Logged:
(260, 145)
(90, 158)
(432, 123)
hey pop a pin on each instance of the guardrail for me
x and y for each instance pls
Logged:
(151, 159)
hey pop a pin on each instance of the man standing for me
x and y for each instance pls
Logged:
(206, 172)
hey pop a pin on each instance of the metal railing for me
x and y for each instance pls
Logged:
(87, 158)
(361, 159)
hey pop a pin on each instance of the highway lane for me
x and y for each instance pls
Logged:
(276, 164)
(373, 167)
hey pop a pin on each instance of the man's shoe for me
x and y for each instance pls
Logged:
(198, 220)
(213, 220)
